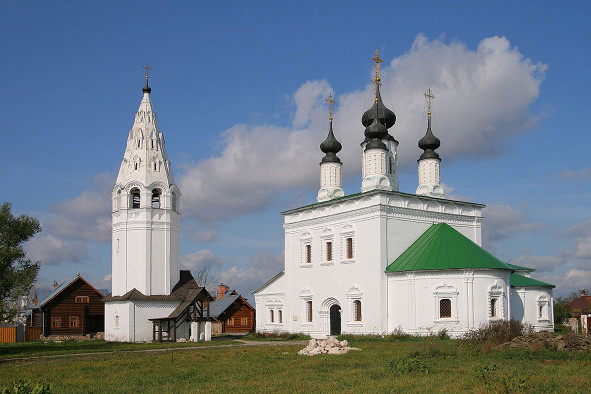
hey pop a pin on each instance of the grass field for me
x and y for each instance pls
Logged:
(426, 365)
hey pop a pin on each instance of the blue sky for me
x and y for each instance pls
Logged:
(239, 93)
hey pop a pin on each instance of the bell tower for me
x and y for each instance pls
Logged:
(145, 211)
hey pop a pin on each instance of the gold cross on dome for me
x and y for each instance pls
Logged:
(330, 102)
(378, 60)
(147, 69)
(429, 96)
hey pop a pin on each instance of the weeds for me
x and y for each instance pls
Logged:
(24, 387)
(496, 333)
(496, 381)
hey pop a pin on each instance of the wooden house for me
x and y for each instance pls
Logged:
(232, 312)
(73, 307)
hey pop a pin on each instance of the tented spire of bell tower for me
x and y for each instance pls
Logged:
(145, 211)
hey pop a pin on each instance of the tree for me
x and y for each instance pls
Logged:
(206, 277)
(17, 272)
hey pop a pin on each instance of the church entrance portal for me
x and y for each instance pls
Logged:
(335, 320)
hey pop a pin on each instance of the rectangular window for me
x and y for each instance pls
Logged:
(349, 248)
(244, 321)
(309, 311)
(280, 312)
(357, 305)
(231, 321)
(493, 307)
(329, 251)
(445, 308)
(272, 315)
(308, 254)
(56, 321)
(73, 321)
(80, 299)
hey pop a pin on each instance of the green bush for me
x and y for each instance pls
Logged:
(496, 333)
(24, 387)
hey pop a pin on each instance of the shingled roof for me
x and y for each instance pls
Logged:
(442, 247)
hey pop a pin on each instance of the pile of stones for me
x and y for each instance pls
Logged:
(545, 339)
(326, 346)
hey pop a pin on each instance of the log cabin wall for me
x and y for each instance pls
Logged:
(66, 314)
(239, 317)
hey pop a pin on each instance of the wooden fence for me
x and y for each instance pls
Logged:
(11, 334)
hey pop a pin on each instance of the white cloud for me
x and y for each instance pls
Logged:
(482, 99)
(540, 263)
(503, 221)
(73, 223)
(585, 173)
(582, 235)
(52, 251)
(263, 265)
(200, 259)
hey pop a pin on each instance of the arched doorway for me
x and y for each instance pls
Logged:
(335, 320)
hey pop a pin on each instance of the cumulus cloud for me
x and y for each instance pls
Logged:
(581, 232)
(52, 251)
(74, 222)
(482, 99)
(263, 265)
(200, 259)
(585, 173)
(503, 221)
(540, 263)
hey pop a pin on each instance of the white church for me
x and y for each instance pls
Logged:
(383, 260)
(151, 298)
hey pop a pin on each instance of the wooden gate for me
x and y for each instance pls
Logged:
(33, 333)
(8, 334)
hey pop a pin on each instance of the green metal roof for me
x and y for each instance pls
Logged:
(442, 247)
(523, 281)
(520, 268)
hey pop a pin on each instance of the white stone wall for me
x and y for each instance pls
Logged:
(429, 178)
(330, 181)
(382, 225)
(533, 306)
(127, 321)
(414, 300)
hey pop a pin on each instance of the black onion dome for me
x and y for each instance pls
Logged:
(385, 115)
(429, 143)
(331, 146)
(375, 132)
(146, 89)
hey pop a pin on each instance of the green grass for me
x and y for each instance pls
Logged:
(403, 366)
(39, 348)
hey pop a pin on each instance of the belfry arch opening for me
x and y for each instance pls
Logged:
(156, 196)
(135, 197)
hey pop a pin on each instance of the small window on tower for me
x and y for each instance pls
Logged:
(135, 198)
(156, 198)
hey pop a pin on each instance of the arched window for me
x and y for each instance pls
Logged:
(357, 305)
(135, 198)
(272, 316)
(156, 198)
(445, 308)
(309, 311)
(280, 315)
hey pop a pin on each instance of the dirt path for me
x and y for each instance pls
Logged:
(240, 343)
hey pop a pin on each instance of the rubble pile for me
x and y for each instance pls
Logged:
(545, 339)
(326, 346)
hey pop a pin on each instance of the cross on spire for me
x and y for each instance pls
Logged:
(330, 102)
(378, 60)
(147, 70)
(429, 96)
